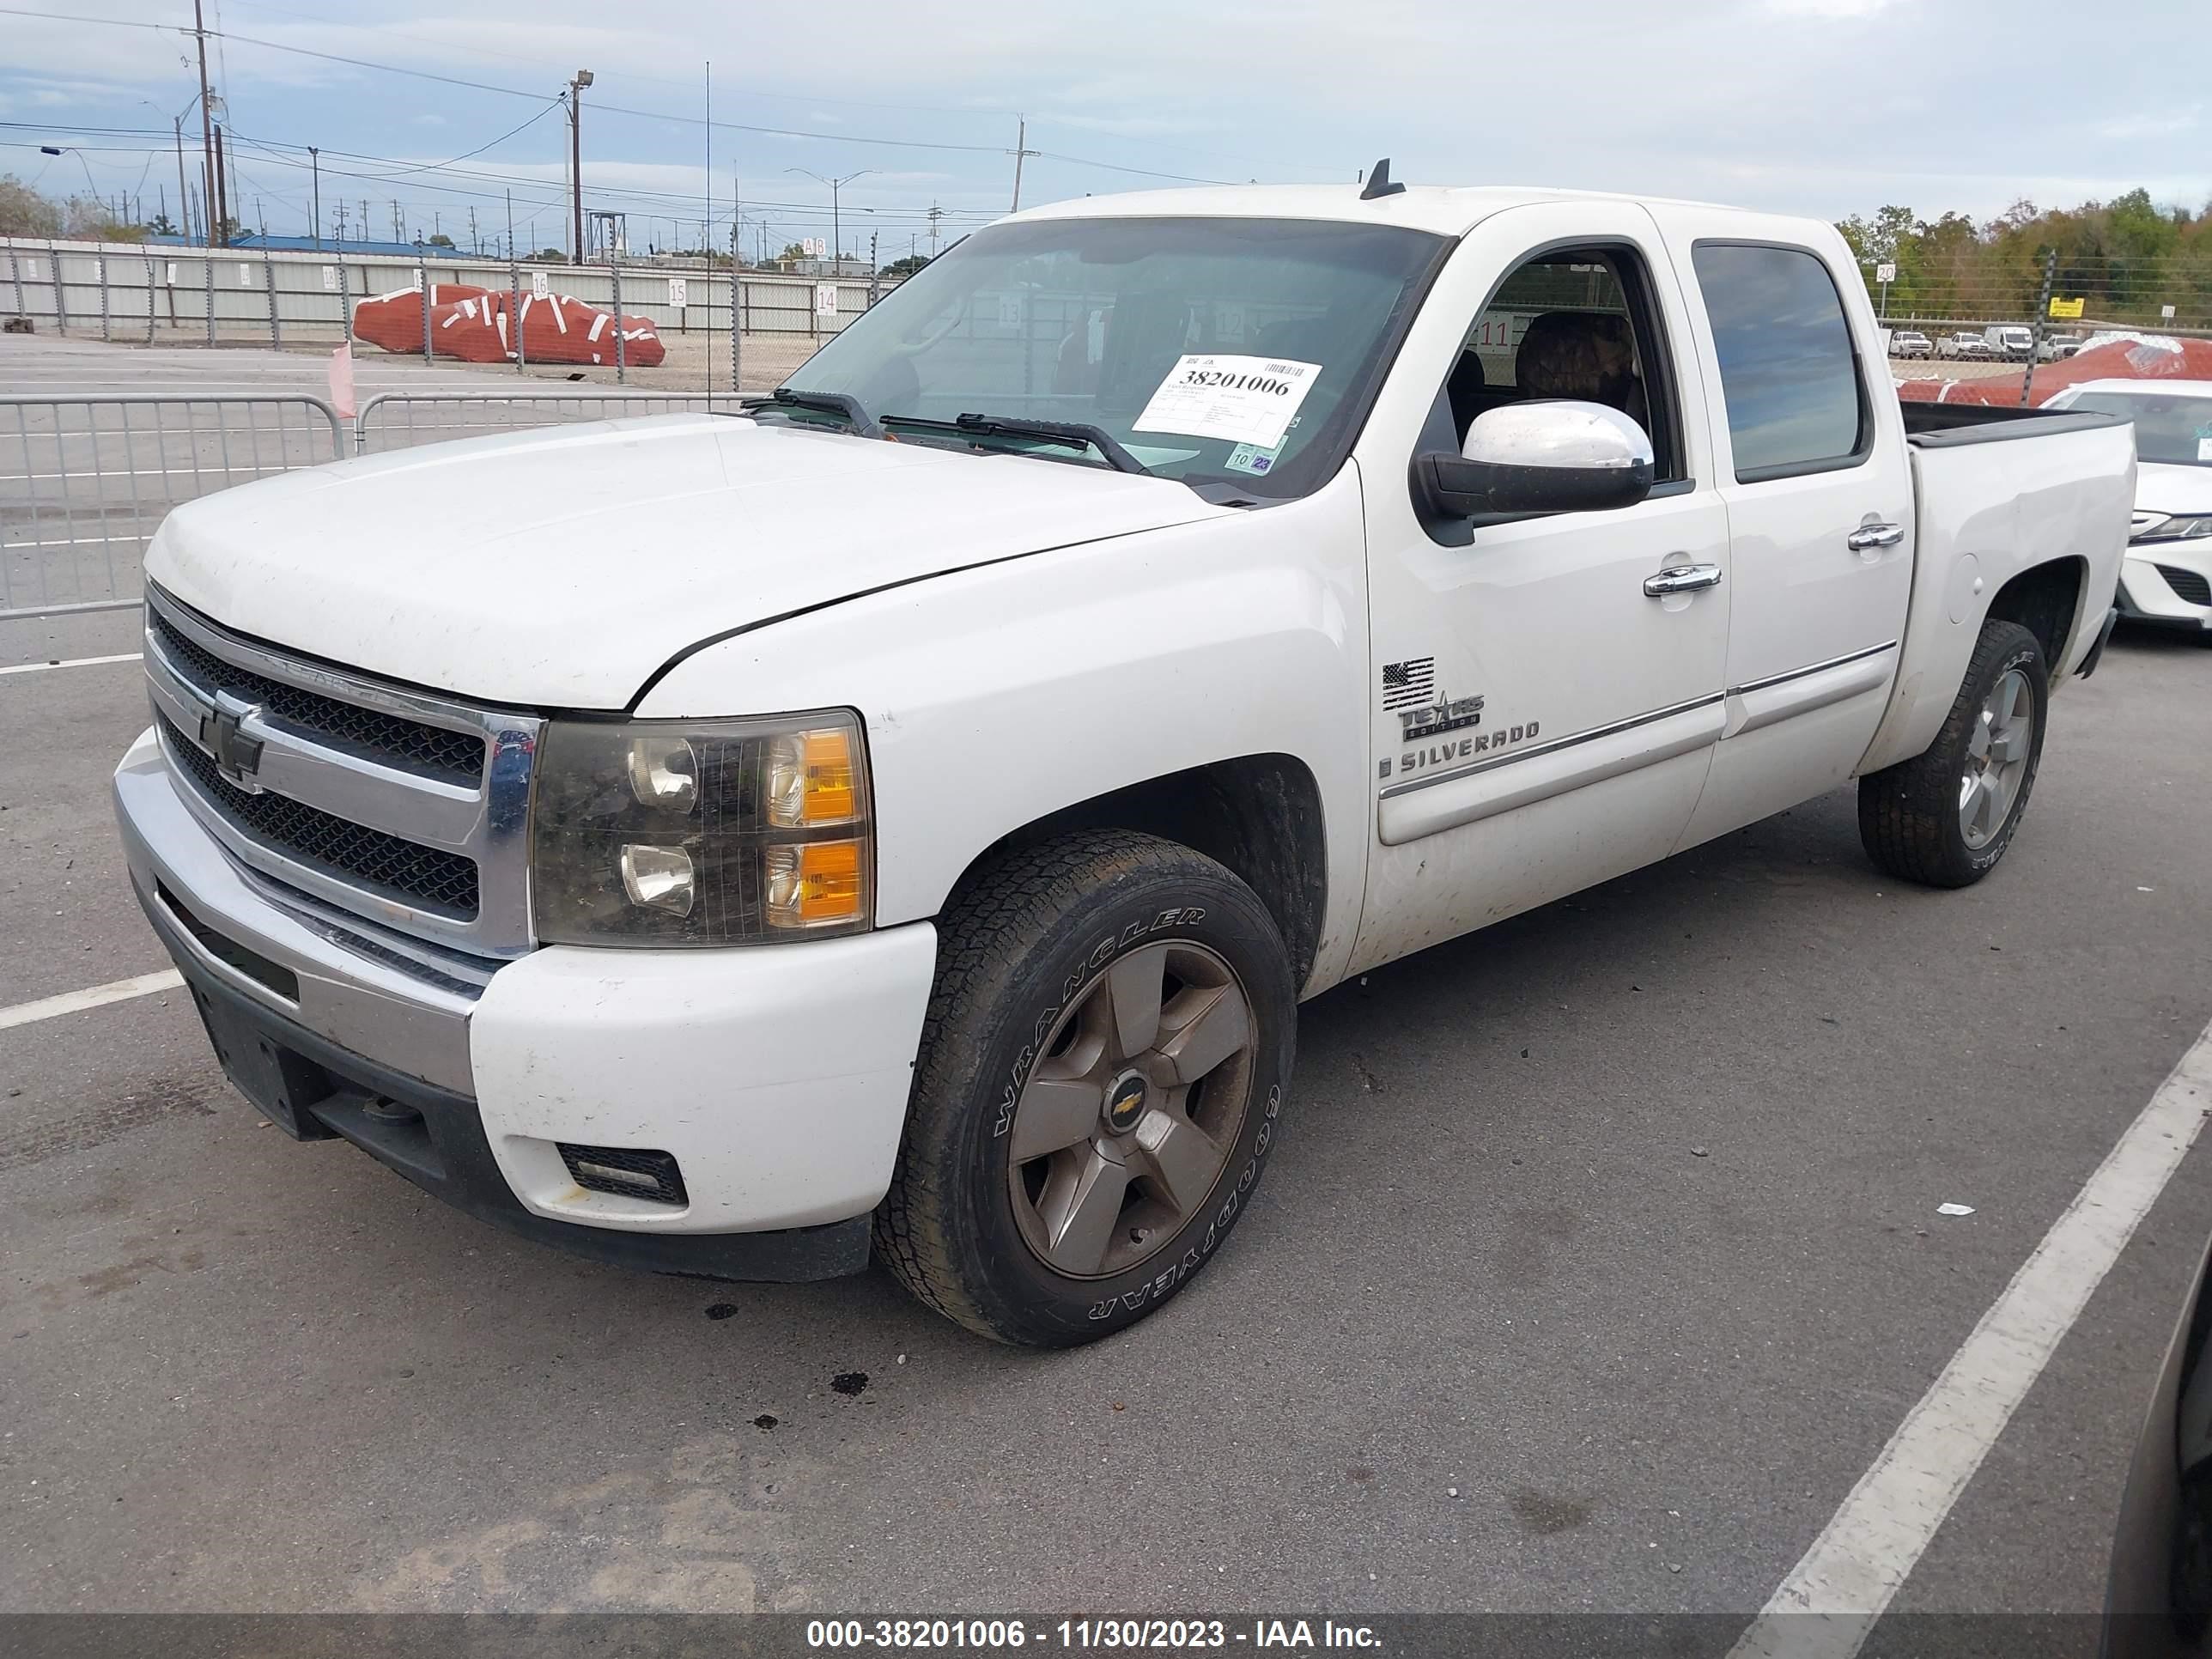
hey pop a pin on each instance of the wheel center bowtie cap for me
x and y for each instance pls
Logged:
(1125, 1102)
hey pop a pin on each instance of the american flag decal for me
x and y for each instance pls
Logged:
(1405, 684)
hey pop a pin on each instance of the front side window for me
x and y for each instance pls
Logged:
(1573, 323)
(1243, 351)
(1788, 374)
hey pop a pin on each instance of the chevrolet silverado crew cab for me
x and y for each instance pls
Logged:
(904, 818)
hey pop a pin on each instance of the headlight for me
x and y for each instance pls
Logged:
(2182, 528)
(723, 832)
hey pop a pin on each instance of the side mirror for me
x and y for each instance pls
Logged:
(1554, 457)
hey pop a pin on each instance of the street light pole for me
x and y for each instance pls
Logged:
(576, 85)
(836, 226)
(315, 162)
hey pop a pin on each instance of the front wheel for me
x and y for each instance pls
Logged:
(1945, 817)
(1100, 1081)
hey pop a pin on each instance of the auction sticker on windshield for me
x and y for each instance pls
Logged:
(1240, 400)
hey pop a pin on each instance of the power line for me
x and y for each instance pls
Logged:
(610, 109)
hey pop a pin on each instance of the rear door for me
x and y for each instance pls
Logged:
(1812, 471)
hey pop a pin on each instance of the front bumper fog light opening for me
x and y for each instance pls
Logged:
(626, 1172)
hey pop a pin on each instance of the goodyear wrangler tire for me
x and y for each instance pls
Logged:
(1101, 1078)
(1945, 817)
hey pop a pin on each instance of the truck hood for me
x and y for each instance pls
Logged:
(561, 567)
(2163, 486)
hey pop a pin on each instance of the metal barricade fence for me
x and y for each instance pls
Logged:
(84, 481)
(397, 420)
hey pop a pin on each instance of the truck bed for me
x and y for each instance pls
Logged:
(1996, 492)
(1944, 426)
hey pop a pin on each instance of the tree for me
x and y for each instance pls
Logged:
(548, 256)
(793, 251)
(2125, 258)
(24, 212)
(161, 227)
(440, 240)
(906, 266)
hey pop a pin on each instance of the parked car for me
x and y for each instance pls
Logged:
(2012, 340)
(2158, 1594)
(1963, 345)
(2056, 347)
(1911, 342)
(733, 846)
(2166, 578)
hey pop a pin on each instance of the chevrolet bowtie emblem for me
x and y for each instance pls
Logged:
(235, 753)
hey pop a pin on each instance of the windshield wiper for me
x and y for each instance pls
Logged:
(822, 403)
(1069, 435)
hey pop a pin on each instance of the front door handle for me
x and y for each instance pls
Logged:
(1868, 536)
(1682, 578)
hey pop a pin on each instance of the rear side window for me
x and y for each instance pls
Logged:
(1788, 372)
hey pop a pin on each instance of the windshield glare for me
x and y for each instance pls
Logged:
(2174, 430)
(1238, 350)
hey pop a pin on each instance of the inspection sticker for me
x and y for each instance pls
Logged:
(1240, 400)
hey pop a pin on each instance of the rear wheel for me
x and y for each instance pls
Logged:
(1101, 1073)
(1945, 817)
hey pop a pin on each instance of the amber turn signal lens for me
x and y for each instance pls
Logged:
(816, 883)
(810, 779)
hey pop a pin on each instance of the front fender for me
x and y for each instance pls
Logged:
(997, 696)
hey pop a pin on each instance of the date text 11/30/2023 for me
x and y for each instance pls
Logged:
(991, 1635)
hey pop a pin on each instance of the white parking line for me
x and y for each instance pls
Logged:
(1826, 1606)
(71, 1002)
(74, 662)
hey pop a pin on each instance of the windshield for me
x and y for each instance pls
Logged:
(2174, 430)
(1243, 350)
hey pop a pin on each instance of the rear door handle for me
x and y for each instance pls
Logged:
(1869, 537)
(1682, 578)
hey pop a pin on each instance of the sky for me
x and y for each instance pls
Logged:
(1822, 106)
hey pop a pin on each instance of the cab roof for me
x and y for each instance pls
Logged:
(1446, 211)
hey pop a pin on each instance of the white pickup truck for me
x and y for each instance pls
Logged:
(905, 818)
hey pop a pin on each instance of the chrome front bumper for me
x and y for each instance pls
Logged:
(351, 987)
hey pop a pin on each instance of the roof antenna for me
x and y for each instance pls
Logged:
(1378, 182)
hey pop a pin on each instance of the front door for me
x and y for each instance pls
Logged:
(1542, 719)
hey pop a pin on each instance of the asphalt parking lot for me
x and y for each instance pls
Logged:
(1600, 1260)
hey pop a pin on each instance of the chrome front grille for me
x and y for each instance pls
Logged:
(404, 808)
(409, 745)
(404, 870)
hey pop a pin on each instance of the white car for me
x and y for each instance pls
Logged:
(1963, 345)
(733, 846)
(2168, 576)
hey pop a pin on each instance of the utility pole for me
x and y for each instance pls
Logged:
(1021, 150)
(399, 224)
(315, 162)
(577, 82)
(222, 194)
(935, 214)
(207, 124)
(837, 225)
(475, 244)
